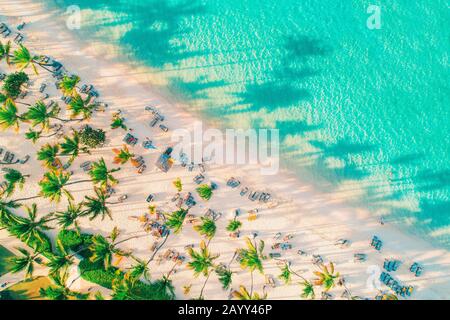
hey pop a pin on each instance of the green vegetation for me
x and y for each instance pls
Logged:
(26, 290)
(178, 185)
(5, 256)
(92, 138)
(93, 270)
(204, 191)
(13, 83)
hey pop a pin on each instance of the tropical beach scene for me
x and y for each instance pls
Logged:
(224, 150)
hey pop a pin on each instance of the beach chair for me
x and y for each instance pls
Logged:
(199, 178)
(360, 257)
(270, 281)
(233, 182)
(42, 88)
(274, 255)
(253, 196)
(150, 198)
(244, 191)
(25, 159)
(163, 128)
(252, 215)
(286, 246)
(18, 39)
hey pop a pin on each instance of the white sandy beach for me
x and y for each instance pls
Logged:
(316, 220)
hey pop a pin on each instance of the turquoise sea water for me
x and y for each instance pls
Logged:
(359, 110)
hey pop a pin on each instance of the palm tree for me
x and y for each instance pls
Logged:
(122, 287)
(5, 51)
(202, 262)
(251, 258)
(13, 178)
(104, 251)
(204, 191)
(54, 183)
(97, 206)
(243, 294)
(5, 210)
(59, 290)
(175, 220)
(49, 155)
(23, 59)
(326, 276)
(60, 260)
(78, 106)
(308, 289)
(72, 146)
(178, 185)
(70, 216)
(286, 274)
(234, 225)
(36, 135)
(40, 114)
(118, 122)
(122, 155)
(207, 228)
(25, 262)
(225, 276)
(9, 118)
(139, 270)
(29, 228)
(101, 175)
(68, 85)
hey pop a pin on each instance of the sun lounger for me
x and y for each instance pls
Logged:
(199, 178)
(42, 88)
(253, 195)
(25, 159)
(270, 281)
(252, 216)
(286, 246)
(317, 259)
(130, 139)
(141, 169)
(9, 157)
(233, 182)
(5, 33)
(150, 198)
(343, 243)
(163, 128)
(18, 39)
(274, 255)
(361, 257)
(153, 122)
(302, 253)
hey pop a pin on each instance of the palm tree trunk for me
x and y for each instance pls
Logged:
(24, 199)
(204, 285)
(79, 181)
(251, 286)
(7, 163)
(67, 120)
(157, 249)
(133, 237)
(171, 270)
(43, 67)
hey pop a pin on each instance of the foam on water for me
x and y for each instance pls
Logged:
(362, 113)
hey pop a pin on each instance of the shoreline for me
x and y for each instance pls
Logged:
(314, 210)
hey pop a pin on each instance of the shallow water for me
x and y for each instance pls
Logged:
(362, 113)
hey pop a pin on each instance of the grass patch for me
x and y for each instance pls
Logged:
(5, 255)
(95, 272)
(26, 290)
